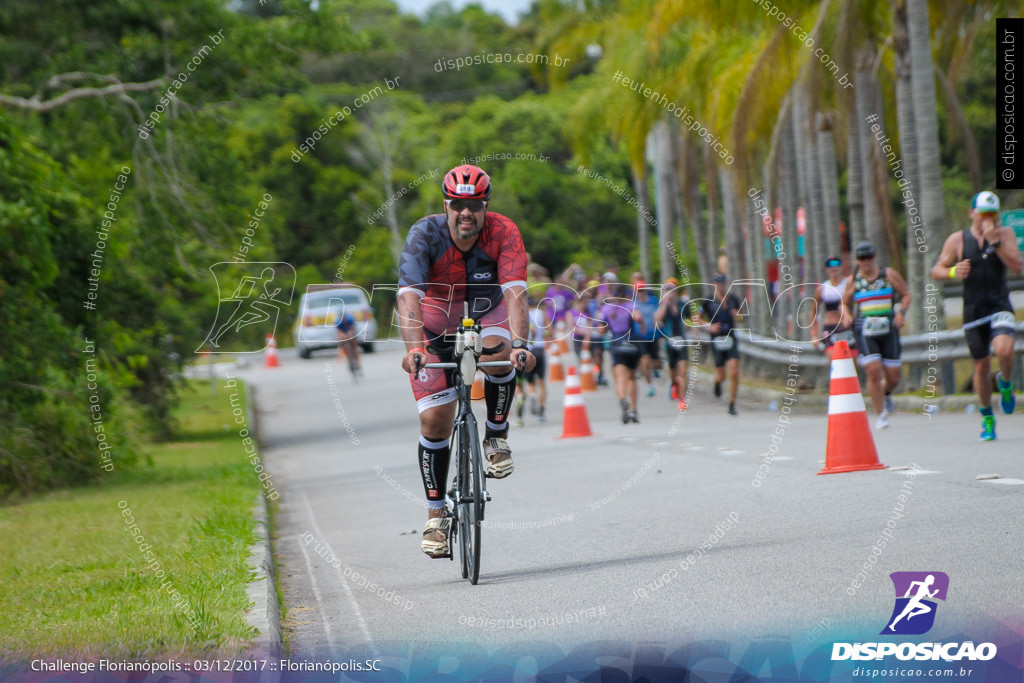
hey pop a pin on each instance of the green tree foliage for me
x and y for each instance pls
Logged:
(48, 425)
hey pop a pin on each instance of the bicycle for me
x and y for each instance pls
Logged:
(348, 348)
(467, 495)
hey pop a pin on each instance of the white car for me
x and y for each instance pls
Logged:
(319, 311)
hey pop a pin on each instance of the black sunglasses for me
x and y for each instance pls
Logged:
(457, 205)
(865, 257)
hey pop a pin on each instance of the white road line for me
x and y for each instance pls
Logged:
(319, 602)
(341, 577)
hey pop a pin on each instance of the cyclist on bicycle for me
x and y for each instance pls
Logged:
(465, 254)
(346, 327)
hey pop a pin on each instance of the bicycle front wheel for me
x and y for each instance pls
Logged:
(471, 496)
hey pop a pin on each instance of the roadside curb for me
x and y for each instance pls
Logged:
(265, 613)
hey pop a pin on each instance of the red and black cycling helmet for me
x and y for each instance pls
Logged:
(466, 182)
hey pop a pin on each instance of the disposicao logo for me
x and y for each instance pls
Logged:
(913, 615)
(914, 612)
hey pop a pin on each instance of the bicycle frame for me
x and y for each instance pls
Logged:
(468, 493)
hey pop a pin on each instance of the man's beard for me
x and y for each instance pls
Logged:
(466, 231)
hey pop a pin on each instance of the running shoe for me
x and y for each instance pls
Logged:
(732, 408)
(718, 390)
(1007, 400)
(988, 428)
(542, 417)
(632, 416)
(435, 536)
(499, 457)
(890, 407)
(883, 420)
(650, 390)
(625, 411)
(673, 391)
(682, 405)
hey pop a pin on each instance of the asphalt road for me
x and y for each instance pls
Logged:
(658, 533)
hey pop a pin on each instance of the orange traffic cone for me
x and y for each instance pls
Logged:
(271, 355)
(851, 447)
(575, 422)
(556, 373)
(587, 381)
(476, 393)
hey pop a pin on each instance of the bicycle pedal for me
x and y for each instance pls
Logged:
(487, 496)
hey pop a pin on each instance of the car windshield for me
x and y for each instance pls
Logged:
(334, 298)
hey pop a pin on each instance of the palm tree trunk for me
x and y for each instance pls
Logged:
(664, 184)
(789, 196)
(713, 239)
(757, 265)
(867, 105)
(916, 268)
(926, 120)
(798, 122)
(643, 210)
(735, 253)
(692, 199)
(816, 238)
(854, 181)
(830, 184)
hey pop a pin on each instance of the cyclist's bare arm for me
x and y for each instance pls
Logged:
(410, 322)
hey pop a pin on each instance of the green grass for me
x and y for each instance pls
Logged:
(72, 577)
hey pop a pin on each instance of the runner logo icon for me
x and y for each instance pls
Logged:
(916, 592)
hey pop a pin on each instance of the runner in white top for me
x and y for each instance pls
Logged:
(536, 388)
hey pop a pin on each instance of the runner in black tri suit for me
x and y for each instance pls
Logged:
(720, 315)
(672, 327)
(464, 254)
(878, 292)
(980, 256)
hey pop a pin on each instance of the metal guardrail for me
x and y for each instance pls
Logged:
(935, 349)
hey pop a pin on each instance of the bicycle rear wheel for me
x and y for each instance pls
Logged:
(471, 495)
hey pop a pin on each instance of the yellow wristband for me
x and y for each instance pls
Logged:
(952, 273)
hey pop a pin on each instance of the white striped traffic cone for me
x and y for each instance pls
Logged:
(556, 373)
(575, 422)
(271, 361)
(587, 381)
(850, 446)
